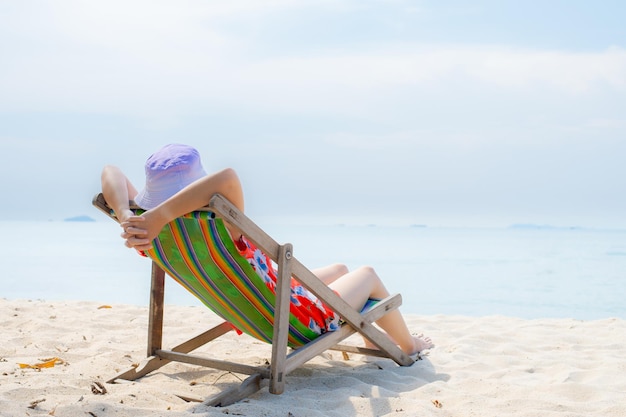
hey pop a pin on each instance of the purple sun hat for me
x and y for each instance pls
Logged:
(169, 170)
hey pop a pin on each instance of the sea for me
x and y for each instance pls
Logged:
(522, 271)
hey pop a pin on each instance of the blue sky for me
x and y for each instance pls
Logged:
(431, 112)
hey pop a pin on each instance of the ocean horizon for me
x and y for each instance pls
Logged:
(525, 270)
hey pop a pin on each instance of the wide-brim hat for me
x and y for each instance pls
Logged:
(169, 170)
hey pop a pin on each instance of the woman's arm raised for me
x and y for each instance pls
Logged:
(146, 227)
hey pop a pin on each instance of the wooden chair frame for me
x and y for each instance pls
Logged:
(281, 363)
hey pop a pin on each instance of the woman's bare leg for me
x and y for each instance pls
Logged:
(357, 286)
(330, 273)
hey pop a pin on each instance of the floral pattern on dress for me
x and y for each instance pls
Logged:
(262, 265)
(305, 306)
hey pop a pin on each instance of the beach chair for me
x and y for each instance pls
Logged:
(197, 252)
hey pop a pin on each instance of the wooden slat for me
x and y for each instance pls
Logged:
(213, 363)
(203, 338)
(359, 350)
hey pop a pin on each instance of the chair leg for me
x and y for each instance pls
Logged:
(136, 372)
(281, 320)
(248, 387)
(155, 329)
(155, 321)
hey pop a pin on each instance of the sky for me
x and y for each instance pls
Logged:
(445, 113)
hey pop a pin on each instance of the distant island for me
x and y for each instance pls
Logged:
(79, 219)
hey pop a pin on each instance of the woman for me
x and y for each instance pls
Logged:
(176, 184)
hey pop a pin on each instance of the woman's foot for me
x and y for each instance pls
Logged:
(421, 343)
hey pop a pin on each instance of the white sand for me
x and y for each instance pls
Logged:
(490, 366)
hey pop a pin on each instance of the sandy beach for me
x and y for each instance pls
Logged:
(487, 366)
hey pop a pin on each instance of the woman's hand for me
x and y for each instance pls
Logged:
(134, 234)
(140, 231)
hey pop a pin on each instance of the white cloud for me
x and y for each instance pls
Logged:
(156, 57)
(574, 72)
(423, 65)
(131, 77)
